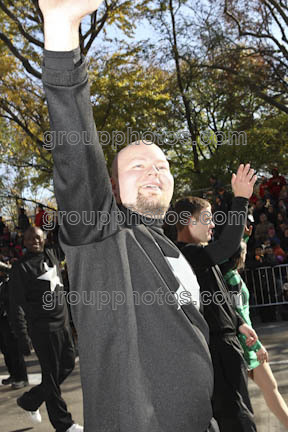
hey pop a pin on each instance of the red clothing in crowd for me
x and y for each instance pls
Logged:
(263, 188)
(275, 184)
(40, 218)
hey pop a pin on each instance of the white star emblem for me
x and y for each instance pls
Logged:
(51, 275)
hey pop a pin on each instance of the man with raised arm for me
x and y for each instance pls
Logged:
(231, 404)
(145, 365)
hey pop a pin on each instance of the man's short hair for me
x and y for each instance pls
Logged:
(32, 229)
(191, 205)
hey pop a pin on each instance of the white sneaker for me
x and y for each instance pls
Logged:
(35, 416)
(75, 428)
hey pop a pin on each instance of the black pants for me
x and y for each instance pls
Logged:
(231, 403)
(56, 355)
(13, 357)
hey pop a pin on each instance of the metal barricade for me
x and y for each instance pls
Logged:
(268, 286)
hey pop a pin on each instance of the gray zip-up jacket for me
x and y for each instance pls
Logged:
(144, 367)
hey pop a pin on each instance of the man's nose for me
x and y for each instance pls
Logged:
(153, 170)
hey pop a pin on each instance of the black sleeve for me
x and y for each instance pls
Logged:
(17, 302)
(235, 289)
(240, 320)
(82, 184)
(57, 252)
(225, 267)
(229, 241)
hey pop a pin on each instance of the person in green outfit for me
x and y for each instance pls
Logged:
(256, 356)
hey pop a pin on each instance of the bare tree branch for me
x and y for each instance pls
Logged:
(25, 164)
(5, 107)
(17, 54)
(94, 32)
(279, 10)
(188, 113)
(255, 35)
(270, 99)
(27, 36)
(284, 38)
(17, 197)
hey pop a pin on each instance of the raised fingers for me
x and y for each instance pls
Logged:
(246, 171)
(240, 171)
(253, 179)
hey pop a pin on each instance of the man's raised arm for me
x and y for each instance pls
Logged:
(222, 249)
(81, 180)
(229, 241)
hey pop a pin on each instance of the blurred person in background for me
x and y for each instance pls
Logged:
(283, 208)
(12, 353)
(275, 184)
(284, 241)
(261, 230)
(283, 195)
(2, 226)
(40, 217)
(258, 209)
(263, 188)
(23, 221)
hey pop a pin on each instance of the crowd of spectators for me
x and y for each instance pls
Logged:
(268, 214)
(267, 248)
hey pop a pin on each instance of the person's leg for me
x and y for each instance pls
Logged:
(4, 346)
(48, 348)
(18, 361)
(33, 399)
(50, 352)
(67, 362)
(231, 404)
(264, 378)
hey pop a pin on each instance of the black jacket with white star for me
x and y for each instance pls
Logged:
(36, 294)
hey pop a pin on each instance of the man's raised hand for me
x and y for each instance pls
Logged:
(62, 19)
(74, 10)
(243, 182)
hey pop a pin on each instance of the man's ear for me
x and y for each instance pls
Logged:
(192, 221)
(185, 234)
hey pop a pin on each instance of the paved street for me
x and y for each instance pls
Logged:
(14, 419)
(274, 336)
